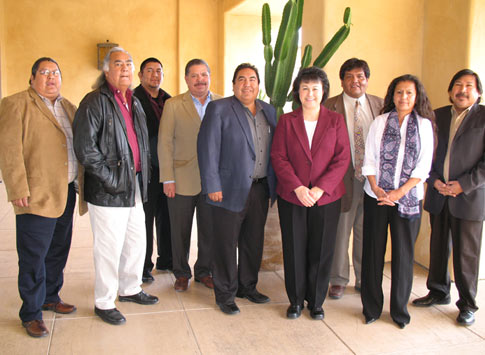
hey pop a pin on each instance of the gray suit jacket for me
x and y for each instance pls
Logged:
(467, 165)
(336, 104)
(226, 153)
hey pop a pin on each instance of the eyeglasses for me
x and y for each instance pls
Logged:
(48, 72)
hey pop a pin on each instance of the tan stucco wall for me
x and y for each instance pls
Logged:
(68, 31)
(387, 34)
(3, 79)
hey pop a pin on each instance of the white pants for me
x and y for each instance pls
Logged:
(119, 250)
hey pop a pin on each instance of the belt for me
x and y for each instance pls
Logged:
(259, 180)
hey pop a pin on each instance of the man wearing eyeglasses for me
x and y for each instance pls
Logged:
(40, 170)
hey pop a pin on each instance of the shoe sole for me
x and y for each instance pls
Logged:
(58, 312)
(335, 297)
(443, 302)
(253, 300)
(142, 303)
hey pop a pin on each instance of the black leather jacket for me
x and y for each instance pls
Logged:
(101, 146)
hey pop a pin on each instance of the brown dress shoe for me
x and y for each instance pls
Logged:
(336, 292)
(207, 281)
(59, 307)
(36, 328)
(181, 284)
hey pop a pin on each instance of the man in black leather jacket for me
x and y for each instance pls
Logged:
(111, 142)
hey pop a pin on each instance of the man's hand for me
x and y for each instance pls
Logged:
(454, 187)
(21, 202)
(169, 189)
(441, 187)
(215, 196)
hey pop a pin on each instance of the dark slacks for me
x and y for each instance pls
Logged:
(156, 210)
(309, 236)
(404, 232)
(43, 247)
(243, 231)
(181, 210)
(466, 238)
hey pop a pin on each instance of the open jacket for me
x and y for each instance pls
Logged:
(101, 146)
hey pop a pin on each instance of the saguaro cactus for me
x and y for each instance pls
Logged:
(280, 63)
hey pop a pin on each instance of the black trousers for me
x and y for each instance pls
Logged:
(466, 237)
(404, 232)
(43, 247)
(243, 231)
(181, 215)
(156, 210)
(308, 236)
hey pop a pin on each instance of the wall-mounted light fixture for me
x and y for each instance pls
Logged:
(103, 49)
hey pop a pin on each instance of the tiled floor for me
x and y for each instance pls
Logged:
(190, 323)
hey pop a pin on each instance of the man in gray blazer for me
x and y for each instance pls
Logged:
(455, 197)
(233, 151)
(359, 110)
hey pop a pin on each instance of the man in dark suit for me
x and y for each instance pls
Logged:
(359, 110)
(233, 151)
(152, 99)
(455, 197)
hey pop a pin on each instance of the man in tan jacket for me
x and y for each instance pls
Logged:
(179, 172)
(39, 170)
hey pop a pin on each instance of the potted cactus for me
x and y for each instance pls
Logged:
(280, 62)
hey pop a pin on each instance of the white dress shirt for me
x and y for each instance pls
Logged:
(365, 116)
(373, 151)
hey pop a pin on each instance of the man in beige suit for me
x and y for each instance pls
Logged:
(39, 170)
(359, 110)
(179, 172)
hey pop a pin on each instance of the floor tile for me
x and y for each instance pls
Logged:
(262, 329)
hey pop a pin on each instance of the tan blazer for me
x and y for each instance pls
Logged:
(336, 104)
(177, 144)
(33, 154)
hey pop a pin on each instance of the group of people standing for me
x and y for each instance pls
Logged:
(352, 164)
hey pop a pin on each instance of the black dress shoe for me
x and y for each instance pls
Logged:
(430, 300)
(140, 298)
(369, 320)
(111, 316)
(294, 311)
(254, 296)
(147, 277)
(401, 325)
(229, 308)
(317, 313)
(466, 318)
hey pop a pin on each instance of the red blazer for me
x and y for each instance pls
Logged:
(323, 166)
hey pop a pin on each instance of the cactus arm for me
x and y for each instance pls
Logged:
(282, 29)
(307, 56)
(332, 46)
(290, 31)
(266, 19)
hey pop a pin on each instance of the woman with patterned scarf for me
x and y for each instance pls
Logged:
(398, 156)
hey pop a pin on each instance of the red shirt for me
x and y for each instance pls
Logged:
(125, 107)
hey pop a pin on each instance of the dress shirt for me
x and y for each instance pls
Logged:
(365, 116)
(260, 131)
(373, 151)
(199, 107)
(61, 117)
(456, 120)
(126, 111)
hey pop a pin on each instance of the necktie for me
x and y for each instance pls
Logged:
(359, 144)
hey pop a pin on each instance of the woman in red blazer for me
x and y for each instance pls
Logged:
(310, 155)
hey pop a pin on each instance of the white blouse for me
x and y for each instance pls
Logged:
(373, 150)
(310, 127)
